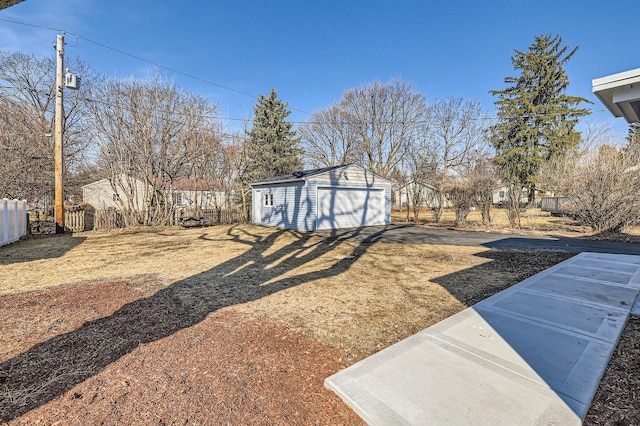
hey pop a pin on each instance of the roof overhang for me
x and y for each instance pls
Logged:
(620, 93)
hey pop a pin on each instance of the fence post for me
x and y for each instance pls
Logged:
(23, 218)
(5, 221)
(16, 220)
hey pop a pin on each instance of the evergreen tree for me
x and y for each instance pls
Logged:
(536, 118)
(272, 147)
(633, 137)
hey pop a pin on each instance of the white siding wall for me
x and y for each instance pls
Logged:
(353, 175)
(290, 209)
(203, 199)
(100, 194)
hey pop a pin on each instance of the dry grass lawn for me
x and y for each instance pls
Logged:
(359, 297)
(533, 221)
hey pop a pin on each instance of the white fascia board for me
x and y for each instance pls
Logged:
(616, 80)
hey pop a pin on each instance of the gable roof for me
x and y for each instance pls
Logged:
(399, 186)
(303, 175)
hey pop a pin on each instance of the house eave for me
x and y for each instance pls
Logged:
(620, 94)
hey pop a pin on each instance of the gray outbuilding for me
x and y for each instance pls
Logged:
(336, 197)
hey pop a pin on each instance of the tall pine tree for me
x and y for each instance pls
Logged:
(272, 147)
(633, 137)
(536, 118)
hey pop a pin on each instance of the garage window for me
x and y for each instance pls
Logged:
(268, 199)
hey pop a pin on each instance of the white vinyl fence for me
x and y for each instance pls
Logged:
(13, 220)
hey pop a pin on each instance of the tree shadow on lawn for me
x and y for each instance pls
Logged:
(31, 249)
(51, 368)
(506, 268)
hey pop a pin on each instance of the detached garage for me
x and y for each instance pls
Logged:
(329, 198)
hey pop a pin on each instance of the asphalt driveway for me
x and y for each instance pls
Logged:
(418, 234)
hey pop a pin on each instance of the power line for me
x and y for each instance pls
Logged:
(176, 71)
(321, 122)
(136, 57)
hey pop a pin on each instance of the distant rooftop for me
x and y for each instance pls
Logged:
(620, 93)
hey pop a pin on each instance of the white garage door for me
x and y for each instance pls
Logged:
(350, 208)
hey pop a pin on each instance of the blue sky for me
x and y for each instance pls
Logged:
(311, 52)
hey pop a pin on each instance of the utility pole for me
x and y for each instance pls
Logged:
(58, 130)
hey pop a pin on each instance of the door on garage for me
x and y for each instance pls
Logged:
(257, 207)
(350, 207)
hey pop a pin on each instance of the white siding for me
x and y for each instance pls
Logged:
(203, 199)
(350, 175)
(290, 209)
(102, 196)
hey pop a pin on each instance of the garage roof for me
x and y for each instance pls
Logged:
(620, 93)
(296, 176)
(303, 175)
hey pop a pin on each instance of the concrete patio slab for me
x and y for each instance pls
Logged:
(532, 354)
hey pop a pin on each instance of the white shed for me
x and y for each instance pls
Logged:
(345, 196)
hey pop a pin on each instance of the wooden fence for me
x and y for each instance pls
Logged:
(555, 205)
(209, 216)
(79, 219)
(13, 220)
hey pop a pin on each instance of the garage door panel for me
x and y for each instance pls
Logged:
(350, 208)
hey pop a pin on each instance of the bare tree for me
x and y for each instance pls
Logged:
(386, 119)
(459, 192)
(457, 134)
(204, 151)
(146, 133)
(421, 172)
(329, 138)
(484, 179)
(602, 186)
(27, 94)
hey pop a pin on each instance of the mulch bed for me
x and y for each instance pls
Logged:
(226, 369)
(617, 401)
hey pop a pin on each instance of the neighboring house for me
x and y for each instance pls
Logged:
(501, 195)
(189, 193)
(186, 193)
(336, 197)
(404, 194)
(101, 195)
